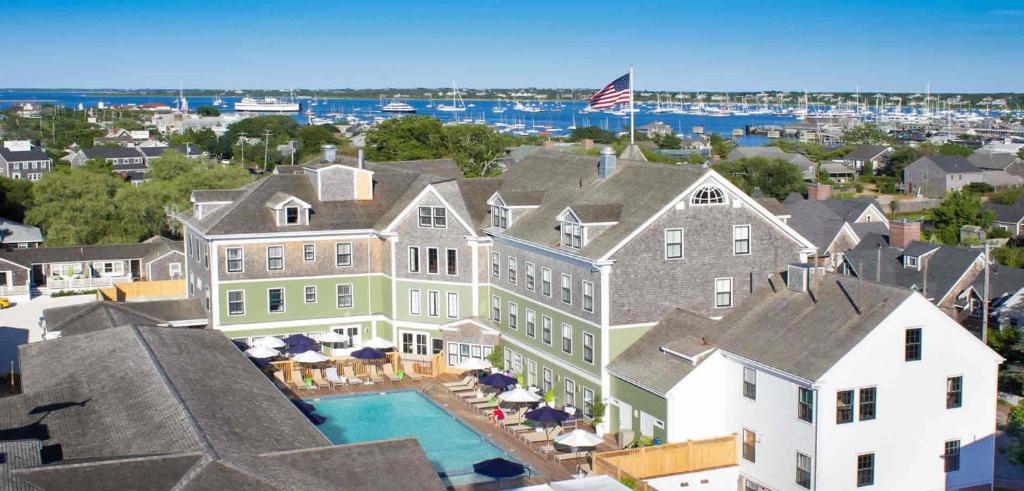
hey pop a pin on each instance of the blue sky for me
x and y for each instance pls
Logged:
(969, 46)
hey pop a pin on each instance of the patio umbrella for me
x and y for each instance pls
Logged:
(242, 345)
(579, 438)
(270, 342)
(498, 468)
(470, 364)
(261, 352)
(368, 354)
(259, 362)
(498, 380)
(298, 343)
(547, 416)
(309, 357)
(378, 343)
(331, 337)
(519, 394)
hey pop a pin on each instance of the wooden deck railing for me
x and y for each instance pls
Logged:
(142, 290)
(642, 463)
(430, 368)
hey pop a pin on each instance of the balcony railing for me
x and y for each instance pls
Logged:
(85, 283)
(7, 290)
(642, 463)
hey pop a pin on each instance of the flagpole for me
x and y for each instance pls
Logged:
(632, 127)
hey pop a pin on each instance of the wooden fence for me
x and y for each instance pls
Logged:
(360, 368)
(142, 290)
(642, 463)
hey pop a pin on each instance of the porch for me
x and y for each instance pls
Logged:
(644, 464)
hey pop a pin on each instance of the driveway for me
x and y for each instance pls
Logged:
(20, 323)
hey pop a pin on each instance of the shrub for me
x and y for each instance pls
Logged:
(859, 187)
(628, 482)
(68, 293)
(1015, 421)
(1015, 452)
(981, 187)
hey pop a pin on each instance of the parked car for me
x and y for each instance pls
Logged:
(4, 303)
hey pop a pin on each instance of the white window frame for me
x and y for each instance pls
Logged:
(171, 270)
(453, 305)
(531, 320)
(495, 264)
(451, 262)
(567, 329)
(496, 309)
(513, 270)
(730, 291)
(547, 381)
(305, 293)
(586, 336)
(437, 262)
(414, 302)
(338, 254)
(229, 292)
(546, 326)
(499, 216)
(298, 215)
(433, 303)
(284, 301)
(351, 295)
(414, 259)
(572, 235)
(566, 284)
(531, 372)
(706, 201)
(435, 213)
(682, 241)
(311, 251)
(531, 276)
(546, 282)
(241, 259)
(588, 285)
(570, 392)
(513, 316)
(269, 257)
(736, 240)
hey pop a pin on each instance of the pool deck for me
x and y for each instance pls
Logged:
(509, 443)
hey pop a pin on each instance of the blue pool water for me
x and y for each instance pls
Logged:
(451, 446)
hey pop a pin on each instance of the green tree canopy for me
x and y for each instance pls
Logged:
(954, 149)
(408, 138)
(15, 198)
(720, 146)
(208, 111)
(594, 133)
(958, 209)
(775, 177)
(867, 133)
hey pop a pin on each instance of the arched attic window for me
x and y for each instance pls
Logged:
(708, 195)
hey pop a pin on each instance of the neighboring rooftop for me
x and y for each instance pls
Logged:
(1011, 213)
(12, 232)
(866, 152)
(950, 163)
(95, 316)
(43, 255)
(34, 154)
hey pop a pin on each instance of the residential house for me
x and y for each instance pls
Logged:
(14, 235)
(868, 159)
(1006, 298)
(130, 163)
(833, 225)
(115, 137)
(20, 160)
(655, 128)
(150, 153)
(556, 256)
(1009, 217)
(838, 172)
(933, 176)
(807, 168)
(999, 169)
(152, 407)
(826, 381)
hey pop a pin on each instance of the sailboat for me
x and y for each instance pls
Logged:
(457, 104)
(498, 108)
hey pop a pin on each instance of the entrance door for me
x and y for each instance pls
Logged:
(5, 279)
(625, 416)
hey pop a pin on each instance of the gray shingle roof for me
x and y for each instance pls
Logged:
(949, 163)
(216, 195)
(1008, 213)
(94, 316)
(992, 161)
(865, 152)
(41, 255)
(435, 167)
(13, 232)
(35, 154)
(814, 220)
(111, 152)
(513, 197)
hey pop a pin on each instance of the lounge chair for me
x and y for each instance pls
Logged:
(485, 406)
(299, 382)
(333, 378)
(318, 379)
(390, 373)
(477, 400)
(561, 457)
(279, 376)
(513, 419)
(410, 371)
(374, 375)
(463, 388)
(519, 428)
(350, 375)
(543, 436)
(460, 383)
(471, 394)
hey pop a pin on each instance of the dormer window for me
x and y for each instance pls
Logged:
(291, 215)
(572, 235)
(499, 217)
(708, 195)
(911, 262)
(435, 217)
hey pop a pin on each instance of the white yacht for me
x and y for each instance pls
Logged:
(397, 107)
(267, 105)
(457, 104)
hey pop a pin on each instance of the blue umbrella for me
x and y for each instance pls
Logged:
(242, 345)
(498, 380)
(498, 468)
(298, 343)
(368, 354)
(260, 362)
(547, 415)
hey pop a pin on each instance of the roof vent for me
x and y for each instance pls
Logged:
(327, 153)
(606, 163)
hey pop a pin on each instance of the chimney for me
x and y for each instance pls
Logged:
(327, 153)
(606, 163)
(588, 144)
(902, 233)
(549, 144)
(818, 192)
(360, 160)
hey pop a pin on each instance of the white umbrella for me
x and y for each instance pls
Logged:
(270, 342)
(378, 343)
(579, 438)
(519, 394)
(260, 351)
(309, 357)
(331, 337)
(473, 364)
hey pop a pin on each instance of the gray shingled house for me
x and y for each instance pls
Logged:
(1009, 217)
(935, 175)
(868, 159)
(807, 167)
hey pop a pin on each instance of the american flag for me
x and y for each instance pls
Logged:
(614, 93)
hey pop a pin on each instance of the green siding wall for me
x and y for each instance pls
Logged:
(558, 376)
(620, 339)
(256, 309)
(465, 292)
(641, 400)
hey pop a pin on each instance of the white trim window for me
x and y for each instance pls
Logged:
(496, 309)
(513, 270)
(570, 392)
(275, 300)
(531, 323)
(345, 295)
(572, 235)
(414, 259)
(433, 217)
(310, 294)
(499, 217)
(433, 303)
(309, 252)
(291, 215)
(545, 330)
(235, 259)
(723, 293)
(588, 402)
(343, 254)
(546, 381)
(495, 265)
(708, 195)
(741, 240)
(513, 315)
(588, 347)
(236, 302)
(531, 276)
(588, 296)
(173, 269)
(545, 282)
(566, 338)
(531, 373)
(414, 302)
(673, 243)
(275, 258)
(433, 261)
(451, 264)
(566, 289)
(453, 305)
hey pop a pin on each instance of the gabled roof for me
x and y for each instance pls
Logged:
(1012, 213)
(514, 197)
(35, 154)
(111, 152)
(948, 163)
(72, 320)
(187, 150)
(598, 213)
(13, 232)
(866, 152)
(772, 153)
(43, 255)
(436, 167)
(216, 195)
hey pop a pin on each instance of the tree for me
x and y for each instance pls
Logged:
(1012, 257)
(408, 138)
(75, 206)
(668, 141)
(955, 149)
(15, 198)
(867, 133)
(958, 209)
(310, 138)
(1008, 195)
(775, 177)
(597, 135)
(720, 146)
(208, 111)
(476, 148)
(901, 157)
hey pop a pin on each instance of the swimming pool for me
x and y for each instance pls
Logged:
(451, 446)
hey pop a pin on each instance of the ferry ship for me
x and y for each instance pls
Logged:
(397, 107)
(267, 105)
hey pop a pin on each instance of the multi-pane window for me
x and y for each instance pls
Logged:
(433, 301)
(414, 302)
(588, 296)
(805, 404)
(566, 338)
(495, 265)
(414, 259)
(531, 323)
(545, 330)
(954, 392)
(570, 392)
(708, 195)
(275, 258)
(513, 270)
(566, 288)
(499, 217)
(432, 260)
(496, 309)
(310, 294)
(868, 400)
(572, 235)
(236, 302)
(275, 299)
(513, 315)
(741, 239)
(291, 215)
(545, 281)
(588, 347)
(453, 305)
(308, 252)
(451, 263)
(749, 383)
(952, 455)
(588, 402)
(723, 292)
(749, 445)
(531, 276)
(865, 470)
(546, 381)
(435, 217)
(234, 259)
(912, 350)
(844, 406)
(674, 243)
(343, 254)
(531, 373)
(344, 296)
(803, 470)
